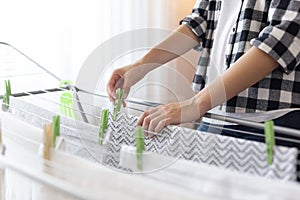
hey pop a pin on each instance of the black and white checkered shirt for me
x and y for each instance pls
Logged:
(270, 25)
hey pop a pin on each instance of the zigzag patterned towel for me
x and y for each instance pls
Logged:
(222, 151)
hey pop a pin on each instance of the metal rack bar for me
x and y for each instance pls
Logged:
(278, 129)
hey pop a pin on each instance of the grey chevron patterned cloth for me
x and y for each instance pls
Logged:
(181, 143)
(222, 151)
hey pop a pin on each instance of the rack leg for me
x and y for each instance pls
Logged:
(2, 184)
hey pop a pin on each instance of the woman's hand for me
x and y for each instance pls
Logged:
(155, 119)
(117, 81)
(176, 44)
(124, 78)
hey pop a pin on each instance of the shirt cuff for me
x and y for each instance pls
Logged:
(281, 46)
(197, 25)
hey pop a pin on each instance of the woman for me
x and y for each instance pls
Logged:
(256, 46)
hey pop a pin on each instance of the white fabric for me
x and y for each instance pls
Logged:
(217, 64)
(225, 24)
(181, 180)
(256, 117)
(150, 161)
(180, 142)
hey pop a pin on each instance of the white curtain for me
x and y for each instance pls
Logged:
(61, 34)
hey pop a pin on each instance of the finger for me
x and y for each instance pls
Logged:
(142, 117)
(115, 81)
(126, 92)
(146, 122)
(154, 110)
(145, 119)
(111, 88)
(162, 124)
(145, 114)
(111, 99)
(145, 125)
(154, 122)
(146, 133)
(153, 116)
(119, 83)
(123, 103)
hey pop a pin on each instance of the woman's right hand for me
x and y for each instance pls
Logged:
(124, 78)
(116, 81)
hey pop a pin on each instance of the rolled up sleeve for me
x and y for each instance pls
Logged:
(281, 38)
(196, 21)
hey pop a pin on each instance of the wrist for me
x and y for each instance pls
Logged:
(142, 67)
(193, 109)
(203, 101)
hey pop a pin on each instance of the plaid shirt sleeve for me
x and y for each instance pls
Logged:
(281, 38)
(196, 21)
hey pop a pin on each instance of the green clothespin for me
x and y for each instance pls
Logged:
(66, 101)
(140, 146)
(64, 83)
(118, 103)
(55, 129)
(269, 140)
(7, 94)
(103, 125)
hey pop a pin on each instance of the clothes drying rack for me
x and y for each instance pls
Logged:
(30, 101)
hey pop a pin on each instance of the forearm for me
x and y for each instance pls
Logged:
(176, 44)
(249, 69)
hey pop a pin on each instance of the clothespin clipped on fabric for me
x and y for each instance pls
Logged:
(52, 137)
(55, 129)
(140, 146)
(47, 144)
(118, 103)
(7, 95)
(2, 146)
(66, 100)
(64, 83)
(103, 125)
(269, 140)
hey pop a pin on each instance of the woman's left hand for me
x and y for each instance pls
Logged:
(155, 119)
